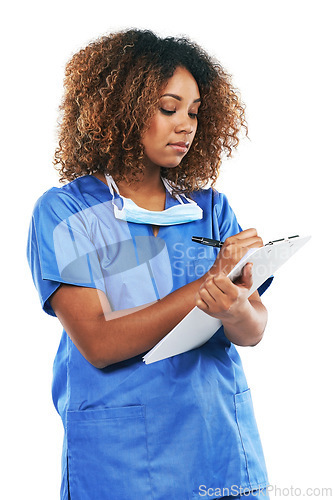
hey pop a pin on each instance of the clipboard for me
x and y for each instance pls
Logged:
(197, 327)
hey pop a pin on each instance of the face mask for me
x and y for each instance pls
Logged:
(130, 212)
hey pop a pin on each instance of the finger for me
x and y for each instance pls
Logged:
(206, 295)
(225, 285)
(201, 304)
(246, 242)
(200, 301)
(211, 289)
(254, 242)
(246, 278)
(234, 247)
(210, 305)
(247, 233)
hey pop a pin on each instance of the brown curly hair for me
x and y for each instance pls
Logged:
(112, 90)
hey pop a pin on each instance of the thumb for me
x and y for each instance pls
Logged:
(246, 279)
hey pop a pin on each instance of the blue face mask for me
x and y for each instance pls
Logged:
(177, 214)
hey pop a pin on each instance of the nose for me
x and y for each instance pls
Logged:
(185, 125)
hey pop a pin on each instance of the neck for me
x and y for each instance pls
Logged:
(151, 184)
(149, 193)
(148, 183)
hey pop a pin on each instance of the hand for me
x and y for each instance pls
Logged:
(222, 299)
(234, 248)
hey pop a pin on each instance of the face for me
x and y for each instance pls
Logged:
(174, 125)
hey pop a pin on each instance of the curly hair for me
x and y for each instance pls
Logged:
(112, 91)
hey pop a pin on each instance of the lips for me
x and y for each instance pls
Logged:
(182, 147)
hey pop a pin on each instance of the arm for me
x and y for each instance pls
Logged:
(104, 337)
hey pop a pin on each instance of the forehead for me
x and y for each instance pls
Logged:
(182, 83)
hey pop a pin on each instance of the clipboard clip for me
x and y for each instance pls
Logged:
(282, 239)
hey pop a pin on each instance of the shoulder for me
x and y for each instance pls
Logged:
(68, 199)
(211, 199)
(216, 207)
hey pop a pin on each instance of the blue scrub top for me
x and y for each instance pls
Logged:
(159, 431)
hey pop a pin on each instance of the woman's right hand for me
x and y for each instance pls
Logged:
(234, 248)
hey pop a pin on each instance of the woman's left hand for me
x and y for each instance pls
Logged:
(218, 296)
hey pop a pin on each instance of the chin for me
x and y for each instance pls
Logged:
(172, 164)
(165, 163)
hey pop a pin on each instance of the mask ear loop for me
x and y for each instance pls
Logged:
(114, 188)
(168, 187)
(112, 185)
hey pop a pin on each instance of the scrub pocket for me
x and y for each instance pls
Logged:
(107, 454)
(255, 462)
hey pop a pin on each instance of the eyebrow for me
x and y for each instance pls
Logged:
(178, 98)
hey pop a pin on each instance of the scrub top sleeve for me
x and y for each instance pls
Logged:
(59, 247)
(228, 226)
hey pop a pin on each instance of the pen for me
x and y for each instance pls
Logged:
(219, 244)
(207, 241)
(282, 239)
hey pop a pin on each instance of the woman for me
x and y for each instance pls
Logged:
(145, 121)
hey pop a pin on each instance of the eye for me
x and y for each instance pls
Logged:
(167, 112)
(193, 115)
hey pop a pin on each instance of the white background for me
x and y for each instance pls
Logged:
(280, 56)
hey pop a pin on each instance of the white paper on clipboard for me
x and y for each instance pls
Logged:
(198, 327)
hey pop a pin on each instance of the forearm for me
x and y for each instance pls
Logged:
(107, 337)
(248, 327)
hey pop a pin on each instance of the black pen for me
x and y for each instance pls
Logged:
(219, 244)
(207, 241)
(282, 239)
